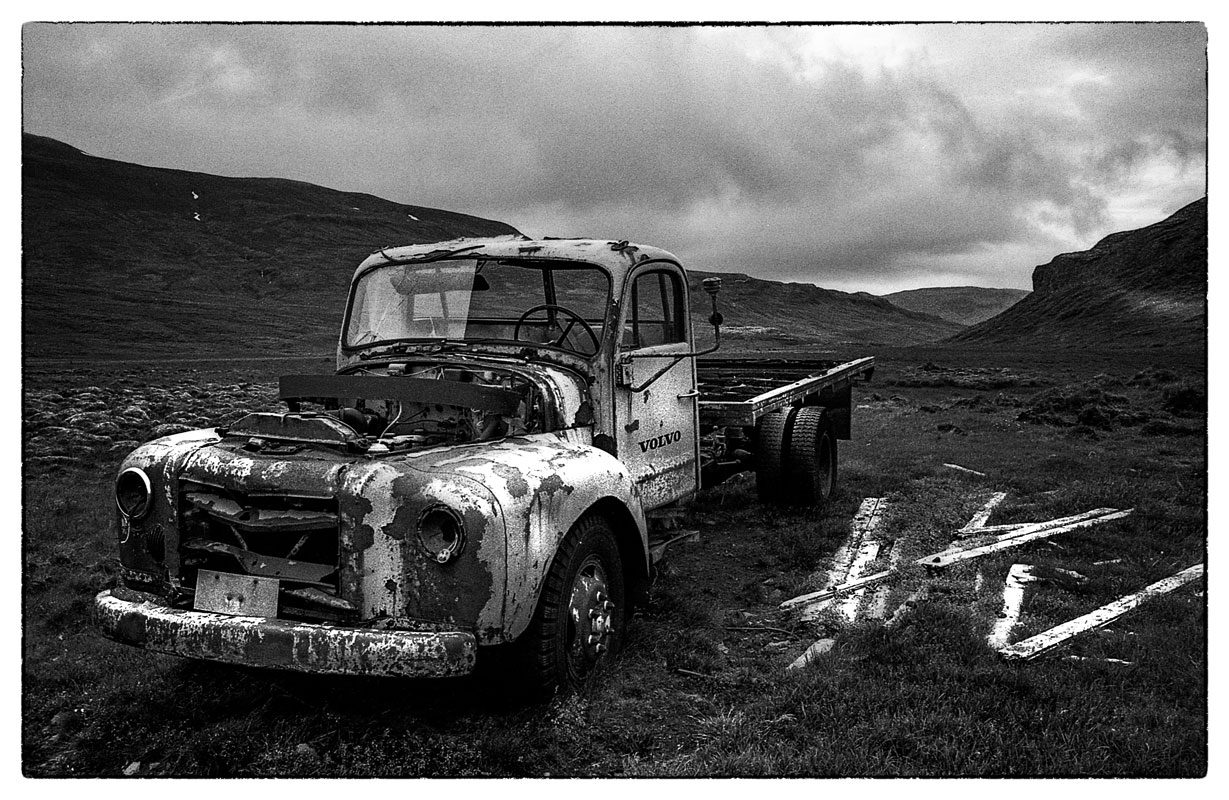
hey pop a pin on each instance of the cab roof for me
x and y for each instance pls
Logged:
(614, 255)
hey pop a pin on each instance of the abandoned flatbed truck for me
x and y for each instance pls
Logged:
(510, 426)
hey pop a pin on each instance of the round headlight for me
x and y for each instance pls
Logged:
(132, 493)
(441, 532)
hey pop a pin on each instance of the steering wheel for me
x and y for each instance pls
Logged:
(574, 318)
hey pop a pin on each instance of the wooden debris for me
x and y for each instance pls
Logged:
(1018, 579)
(1106, 660)
(879, 601)
(818, 648)
(979, 520)
(1047, 640)
(837, 591)
(867, 553)
(987, 529)
(658, 549)
(848, 561)
(1016, 538)
(959, 468)
(951, 556)
(911, 602)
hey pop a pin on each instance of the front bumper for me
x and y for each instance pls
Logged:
(141, 620)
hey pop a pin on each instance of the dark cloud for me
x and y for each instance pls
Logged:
(880, 157)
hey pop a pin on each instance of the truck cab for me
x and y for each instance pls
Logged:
(612, 312)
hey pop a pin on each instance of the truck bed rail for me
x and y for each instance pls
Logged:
(738, 391)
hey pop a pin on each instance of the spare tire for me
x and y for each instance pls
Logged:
(772, 436)
(811, 457)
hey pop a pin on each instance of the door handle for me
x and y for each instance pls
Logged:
(692, 393)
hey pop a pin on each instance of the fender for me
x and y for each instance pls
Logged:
(161, 460)
(384, 566)
(543, 483)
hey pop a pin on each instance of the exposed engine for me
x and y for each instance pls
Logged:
(405, 424)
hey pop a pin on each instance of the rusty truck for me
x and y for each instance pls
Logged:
(511, 425)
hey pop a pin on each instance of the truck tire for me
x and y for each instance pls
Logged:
(773, 434)
(811, 457)
(579, 621)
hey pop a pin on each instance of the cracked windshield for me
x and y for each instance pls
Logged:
(559, 304)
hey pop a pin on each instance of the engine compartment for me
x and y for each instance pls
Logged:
(413, 405)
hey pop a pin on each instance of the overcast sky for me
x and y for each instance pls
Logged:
(870, 158)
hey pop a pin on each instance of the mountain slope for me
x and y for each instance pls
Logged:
(1142, 287)
(118, 256)
(965, 305)
(762, 314)
(128, 261)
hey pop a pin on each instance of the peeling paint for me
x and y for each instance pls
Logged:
(143, 622)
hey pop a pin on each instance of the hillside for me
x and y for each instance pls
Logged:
(128, 261)
(120, 258)
(772, 315)
(1142, 287)
(965, 305)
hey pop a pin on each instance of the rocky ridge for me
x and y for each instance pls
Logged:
(1141, 287)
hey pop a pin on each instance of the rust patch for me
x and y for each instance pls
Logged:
(553, 483)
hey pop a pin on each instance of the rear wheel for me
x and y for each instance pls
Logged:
(771, 480)
(811, 456)
(579, 621)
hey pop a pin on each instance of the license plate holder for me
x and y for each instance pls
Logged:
(240, 595)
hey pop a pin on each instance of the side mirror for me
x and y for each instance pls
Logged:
(713, 286)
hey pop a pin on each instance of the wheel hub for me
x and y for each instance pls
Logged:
(591, 612)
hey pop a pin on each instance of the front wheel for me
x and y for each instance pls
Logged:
(579, 621)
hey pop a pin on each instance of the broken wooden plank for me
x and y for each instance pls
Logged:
(948, 557)
(980, 519)
(878, 607)
(1017, 538)
(959, 468)
(911, 602)
(1018, 578)
(658, 549)
(987, 529)
(1047, 640)
(837, 591)
(818, 648)
(1105, 660)
(1008, 531)
(867, 553)
(864, 522)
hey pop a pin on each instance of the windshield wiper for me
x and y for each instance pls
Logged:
(432, 346)
(434, 255)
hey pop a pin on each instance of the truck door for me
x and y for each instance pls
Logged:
(655, 400)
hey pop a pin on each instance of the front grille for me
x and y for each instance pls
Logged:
(293, 539)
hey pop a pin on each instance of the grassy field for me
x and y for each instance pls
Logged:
(701, 689)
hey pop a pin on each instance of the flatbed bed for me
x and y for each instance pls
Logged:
(739, 391)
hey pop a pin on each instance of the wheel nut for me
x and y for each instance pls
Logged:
(595, 639)
(600, 596)
(599, 648)
(594, 613)
(608, 606)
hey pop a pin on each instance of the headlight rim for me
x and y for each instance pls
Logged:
(144, 509)
(451, 550)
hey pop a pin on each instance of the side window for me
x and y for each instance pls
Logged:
(655, 313)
